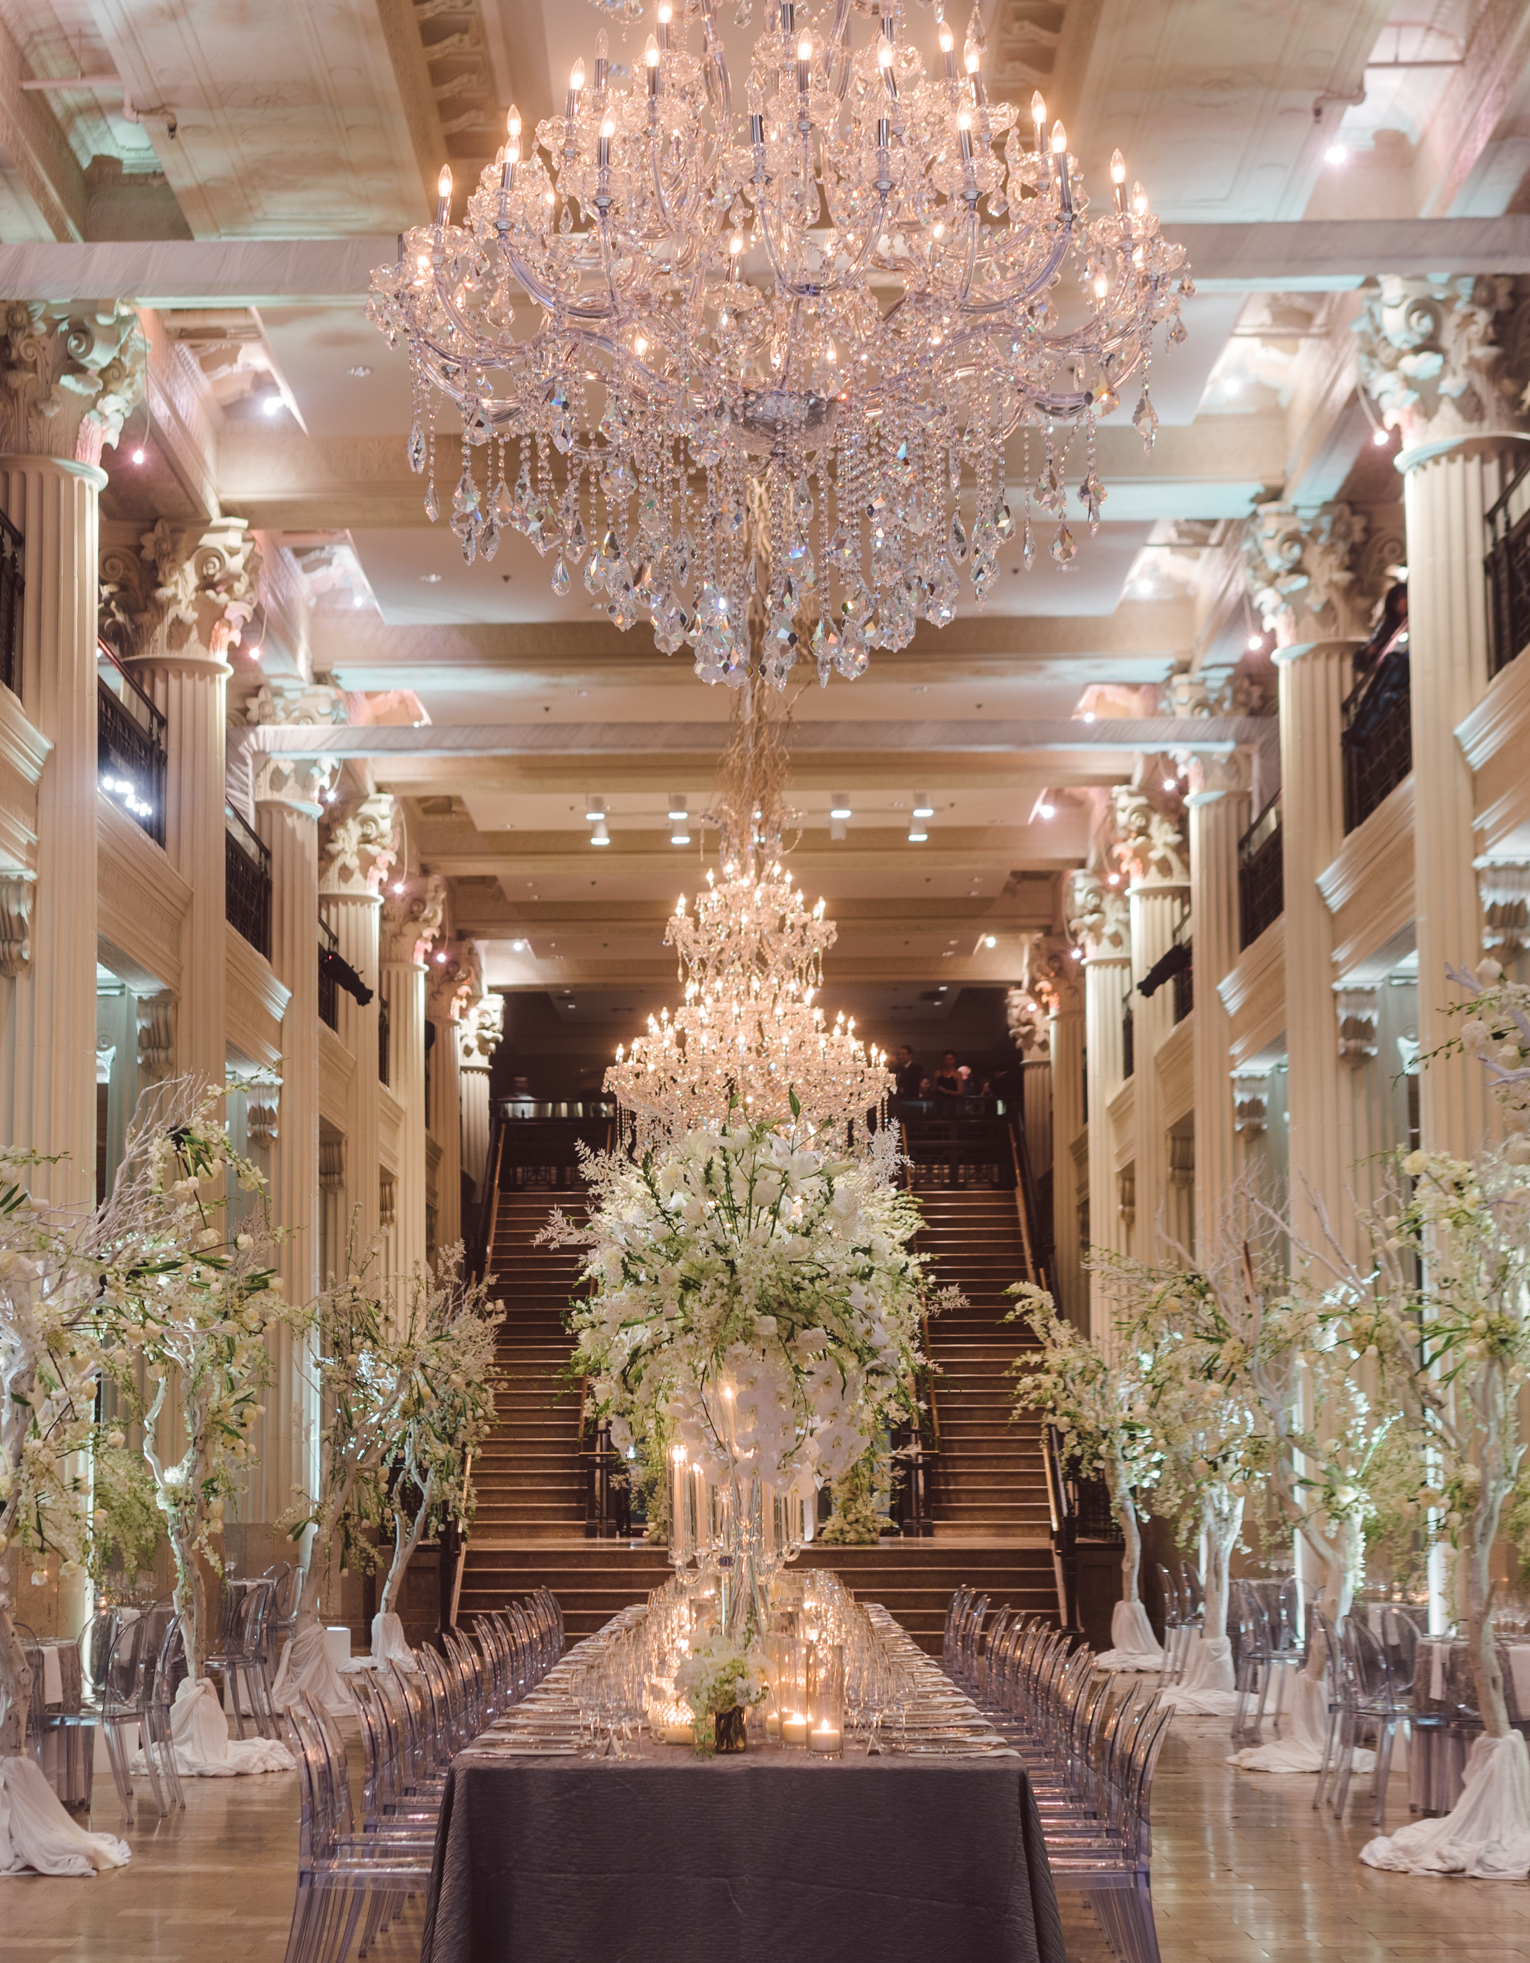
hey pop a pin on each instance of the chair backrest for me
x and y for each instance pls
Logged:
(171, 1667)
(1367, 1660)
(1399, 1638)
(1172, 1610)
(95, 1647)
(122, 1677)
(1192, 1595)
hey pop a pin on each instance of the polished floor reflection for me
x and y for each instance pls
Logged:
(1244, 1871)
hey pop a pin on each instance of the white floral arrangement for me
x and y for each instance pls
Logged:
(751, 1300)
(718, 1675)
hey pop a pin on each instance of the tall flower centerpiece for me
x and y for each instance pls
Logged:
(753, 1304)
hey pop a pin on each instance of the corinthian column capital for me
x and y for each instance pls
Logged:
(480, 1030)
(1149, 842)
(455, 982)
(1099, 918)
(68, 379)
(411, 921)
(1444, 360)
(1301, 573)
(359, 848)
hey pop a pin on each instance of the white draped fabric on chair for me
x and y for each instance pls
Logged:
(203, 1748)
(1133, 1646)
(37, 1836)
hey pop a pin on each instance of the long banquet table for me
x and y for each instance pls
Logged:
(767, 1857)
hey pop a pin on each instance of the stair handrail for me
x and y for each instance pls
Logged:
(1022, 1208)
(1064, 1528)
(920, 1386)
(488, 1205)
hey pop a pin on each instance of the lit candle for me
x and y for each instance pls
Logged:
(675, 1728)
(772, 1724)
(826, 1740)
(794, 1729)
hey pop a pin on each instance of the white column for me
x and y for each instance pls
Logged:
(1064, 996)
(1152, 852)
(446, 1116)
(202, 593)
(288, 803)
(359, 848)
(1218, 802)
(1444, 361)
(478, 1036)
(1099, 921)
(1306, 592)
(410, 924)
(49, 1093)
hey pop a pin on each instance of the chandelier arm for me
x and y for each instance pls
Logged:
(828, 289)
(719, 61)
(1027, 289)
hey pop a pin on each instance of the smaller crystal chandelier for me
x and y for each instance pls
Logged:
(873, 295)
(749, 1034)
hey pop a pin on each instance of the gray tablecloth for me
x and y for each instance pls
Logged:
(762, 1858)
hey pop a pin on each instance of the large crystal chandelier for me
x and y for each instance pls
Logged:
(749, 1032)
(875, 292)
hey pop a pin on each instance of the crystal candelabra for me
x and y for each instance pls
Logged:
(749, 1033)
(872, 298)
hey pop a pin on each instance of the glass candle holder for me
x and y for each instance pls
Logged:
(789, 1692)
(826, 1699)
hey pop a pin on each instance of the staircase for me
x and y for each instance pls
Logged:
(989, 1482)
(530, 1481)
(988, 1490)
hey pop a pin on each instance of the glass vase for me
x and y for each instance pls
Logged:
(730, 1730)
(826, 1699)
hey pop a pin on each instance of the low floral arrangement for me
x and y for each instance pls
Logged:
(718, 1677)
(751, 1300)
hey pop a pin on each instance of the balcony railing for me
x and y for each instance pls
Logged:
(1261, 875)
(246, 882)
(11, 582)
(1376, 737)
(1184, 990)
(130, 745)
(1507, 566)
(329, 985)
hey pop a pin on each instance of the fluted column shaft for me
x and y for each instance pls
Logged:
(403, 987)
(290, 829)
(446, 1125)
(354, 917)
(1105, 976)
(1219, 816)
(1066, 1034)
(1444, 499)
(1329, 1128)
(192, 690)
(1155, 909)
(474, 1070)
(48, 1093)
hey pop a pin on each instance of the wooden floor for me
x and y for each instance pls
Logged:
(1243, 1871)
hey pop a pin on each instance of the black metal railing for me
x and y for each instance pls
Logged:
(246, 882)
(959, 1152)
(1184, 989)
(329, 984)
(384, 1043)
(11, 583)
(1376, 736)
(130, 745)
(1128, 1037)
(1507, 566)
(1261, 875)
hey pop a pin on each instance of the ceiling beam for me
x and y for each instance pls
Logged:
(1289, 256)
(995, 736)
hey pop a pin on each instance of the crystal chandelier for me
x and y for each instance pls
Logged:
(873, 295)
(749, 1031)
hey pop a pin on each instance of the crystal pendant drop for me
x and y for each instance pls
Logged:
(1145, 419)
(469, 543)
(560, 578)
(854, 656)
(595, 572)
(488, 539)
(1107, 401)
(575, 540)
(1064, 548)
(802, 501)
(1004, 519)
(465, 505)
(826, 645)
(1176, 332)
(432, 504)
(843, 551)
(799, 560)
(503, 509)
(684, 558)
(956, 540)
(416, 449)
(520, 502)
(1028, 545)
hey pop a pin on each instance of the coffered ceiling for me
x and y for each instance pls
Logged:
(201, 131)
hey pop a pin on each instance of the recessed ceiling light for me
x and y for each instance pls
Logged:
(680, 837)
(917, 835)
(922, 807)
(430, 579)
(839, 805)
(1336, 154)
(990, 940)
(360, 370)
(271, 406)
(594, 807)
(600, 836)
